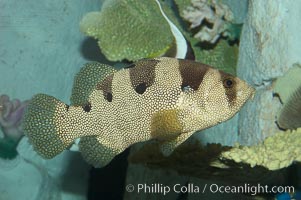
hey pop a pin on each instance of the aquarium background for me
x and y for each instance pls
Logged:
(42, 48)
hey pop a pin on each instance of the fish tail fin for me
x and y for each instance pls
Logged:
(40, 124)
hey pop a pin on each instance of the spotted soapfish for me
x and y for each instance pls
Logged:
(165, 99)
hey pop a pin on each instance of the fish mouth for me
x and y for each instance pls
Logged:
(246, 92)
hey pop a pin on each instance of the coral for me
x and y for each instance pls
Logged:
(203, 14)
(223, 56)
(188, 159)
(182, 5)
(129, 29)
(11, 113)
(194, 160)
(275, 152)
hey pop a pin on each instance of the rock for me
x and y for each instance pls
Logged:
(270, 45)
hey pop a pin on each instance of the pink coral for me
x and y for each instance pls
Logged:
(214, 12)
(11, 113)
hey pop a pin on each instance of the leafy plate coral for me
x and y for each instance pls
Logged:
(130, 29)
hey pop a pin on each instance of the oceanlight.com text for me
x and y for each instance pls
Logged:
(158, 188)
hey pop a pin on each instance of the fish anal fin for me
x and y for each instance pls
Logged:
(169, 146)
(97, 151)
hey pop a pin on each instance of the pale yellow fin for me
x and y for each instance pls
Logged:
(165, 125)
(169, 146)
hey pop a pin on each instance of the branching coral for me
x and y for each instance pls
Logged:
(212, 12)
(11, 113)
(276, 152)
(195, 160)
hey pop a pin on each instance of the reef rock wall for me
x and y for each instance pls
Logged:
(270, 45)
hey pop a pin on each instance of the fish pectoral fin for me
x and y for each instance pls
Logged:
(97, 151)
(169, 146)
(165, 125)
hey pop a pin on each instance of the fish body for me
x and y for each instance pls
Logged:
(166, 99)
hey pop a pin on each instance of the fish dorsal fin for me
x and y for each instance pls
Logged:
(86, 80)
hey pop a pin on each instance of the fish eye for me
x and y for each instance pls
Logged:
(186, 88)
(140, 89)
(109, 97)
(228, 83)
(87, 107)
